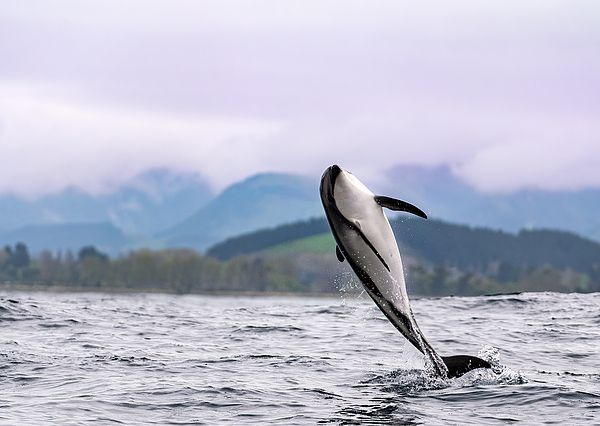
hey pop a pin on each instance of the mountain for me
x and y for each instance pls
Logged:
(105, 236)
(157, 200)
(443, 196)
(437, 191)
(151, 202)
(164, 209)
(261, 201)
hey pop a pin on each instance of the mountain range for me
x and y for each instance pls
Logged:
(147, 204)
(260, 201)
(442, 195)
(162, 209)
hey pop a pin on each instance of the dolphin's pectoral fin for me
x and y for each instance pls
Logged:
(399, 205)
(339, 254)
(462, 364)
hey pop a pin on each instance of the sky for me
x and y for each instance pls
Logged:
(95, 93)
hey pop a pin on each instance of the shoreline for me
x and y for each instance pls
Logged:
(118, 290)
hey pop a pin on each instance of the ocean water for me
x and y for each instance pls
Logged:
(150, 359)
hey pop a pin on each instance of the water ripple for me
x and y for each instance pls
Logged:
(163, 359)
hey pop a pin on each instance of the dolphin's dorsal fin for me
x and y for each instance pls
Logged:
(399, 205)
(339, 254)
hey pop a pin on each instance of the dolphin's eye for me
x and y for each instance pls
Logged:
(357, 224)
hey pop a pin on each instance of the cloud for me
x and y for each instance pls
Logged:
(438, 19)
(556, 153)
(49, 144)
(93, 93)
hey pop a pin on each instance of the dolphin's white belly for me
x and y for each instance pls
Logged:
(356, 202)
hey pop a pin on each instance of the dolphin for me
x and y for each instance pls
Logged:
(365, 239)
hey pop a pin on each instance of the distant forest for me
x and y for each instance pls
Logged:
(440, 259)
(178, 271)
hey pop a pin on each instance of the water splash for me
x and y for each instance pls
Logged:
(499, 373)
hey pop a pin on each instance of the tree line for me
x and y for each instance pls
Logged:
(173, 270)
(185, 271)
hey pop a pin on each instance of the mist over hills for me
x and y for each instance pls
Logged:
(167, 204)
(148, 204)
(70, 236)
(258, 202)
(442, 195)
(114, 222)
(162, 209)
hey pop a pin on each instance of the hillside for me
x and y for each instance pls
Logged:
(438, 242)
(265, 238)
(466, 247)
(258, 202)
(320, 244)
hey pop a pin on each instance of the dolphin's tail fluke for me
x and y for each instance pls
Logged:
(461, 364)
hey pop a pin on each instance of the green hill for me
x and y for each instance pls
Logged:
(266, 238)
(316, 244)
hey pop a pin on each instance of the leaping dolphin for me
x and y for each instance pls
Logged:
(365, 239)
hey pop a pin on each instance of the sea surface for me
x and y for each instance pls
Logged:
(152, 359)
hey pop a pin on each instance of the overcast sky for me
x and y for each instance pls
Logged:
(93, 93)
